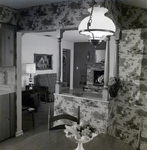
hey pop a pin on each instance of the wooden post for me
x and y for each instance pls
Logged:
(115, 65)
(18, 90)
(116, 62)
(58, 82)
(106, 70)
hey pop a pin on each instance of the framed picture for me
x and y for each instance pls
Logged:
(43, 61)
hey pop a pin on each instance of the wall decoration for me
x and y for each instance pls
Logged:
(43, 61)
(88, 55)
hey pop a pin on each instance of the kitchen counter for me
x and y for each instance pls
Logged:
(2, 92)
(7, 88)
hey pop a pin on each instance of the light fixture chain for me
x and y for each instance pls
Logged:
(90, 18)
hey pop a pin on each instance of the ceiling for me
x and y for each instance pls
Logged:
(70, 35)
(76, 37)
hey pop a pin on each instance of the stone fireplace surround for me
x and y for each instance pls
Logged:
(90, 85)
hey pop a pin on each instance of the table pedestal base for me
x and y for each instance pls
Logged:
(80, 146)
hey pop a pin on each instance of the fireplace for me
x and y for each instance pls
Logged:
(94, 70)
(96, 75)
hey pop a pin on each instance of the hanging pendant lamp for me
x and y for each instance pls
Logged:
(97, 26)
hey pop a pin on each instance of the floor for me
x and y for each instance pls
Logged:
(41, 125)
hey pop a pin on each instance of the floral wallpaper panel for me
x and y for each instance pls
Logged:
(8, 15)
(127, 112)
(93, 111)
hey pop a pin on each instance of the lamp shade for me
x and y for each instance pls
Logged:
(30, 68)
(100, 27)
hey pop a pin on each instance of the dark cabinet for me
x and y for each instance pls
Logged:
(7, 45)
(7, 116)
(12, 107)
(4, 117)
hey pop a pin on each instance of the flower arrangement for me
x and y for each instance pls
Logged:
(80, 133)
(114, 85)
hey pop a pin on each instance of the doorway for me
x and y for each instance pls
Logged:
(66, 66)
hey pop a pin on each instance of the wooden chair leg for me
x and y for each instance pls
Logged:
(33, 118)
(31, 110)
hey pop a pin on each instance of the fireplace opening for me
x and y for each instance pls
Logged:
(96, 75)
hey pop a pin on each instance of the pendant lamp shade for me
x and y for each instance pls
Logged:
(100, 25)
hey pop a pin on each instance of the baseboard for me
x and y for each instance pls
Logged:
(18, 133)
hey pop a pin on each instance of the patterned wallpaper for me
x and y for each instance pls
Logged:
(129, 109)
(93, 111)
(8, 15)
(69, 14)
(53, 16)
(125, 16)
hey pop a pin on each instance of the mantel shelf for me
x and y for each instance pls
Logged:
(97, 63)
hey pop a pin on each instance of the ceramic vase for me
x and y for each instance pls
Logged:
(113, 93)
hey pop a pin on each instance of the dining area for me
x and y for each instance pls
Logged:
(79, 135)
(41, 137)
(56, 140)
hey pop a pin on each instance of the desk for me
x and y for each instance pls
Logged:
(56, 140)
(30, 99)
(41, 91)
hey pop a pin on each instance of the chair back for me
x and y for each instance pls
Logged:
(52, 119)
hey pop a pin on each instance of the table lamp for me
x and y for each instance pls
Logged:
(30, 68)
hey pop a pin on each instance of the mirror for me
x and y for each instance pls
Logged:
(99, 56)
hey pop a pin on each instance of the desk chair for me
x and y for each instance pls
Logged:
(52, 119)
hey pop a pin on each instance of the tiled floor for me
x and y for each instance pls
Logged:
(41, 125)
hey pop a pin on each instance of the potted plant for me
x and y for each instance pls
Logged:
(114, 85)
